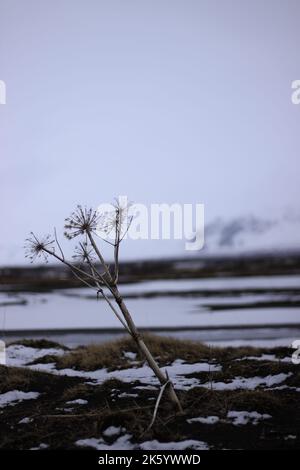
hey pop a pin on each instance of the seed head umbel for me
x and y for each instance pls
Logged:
(116, 219)
(38, 247)
(84, 253)
(81, 221)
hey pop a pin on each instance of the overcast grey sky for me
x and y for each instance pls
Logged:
(161, 100)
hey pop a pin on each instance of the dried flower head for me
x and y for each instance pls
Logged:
(37, 248)
(118, 219)
(81, 221)
(84, 253)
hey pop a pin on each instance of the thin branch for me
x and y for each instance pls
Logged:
(84, 281)
(128, 227)
(117, 246)
(71, 266)
(95, 273)
(118, 240)
(57, 242)
(94, 245)
(104, 240)
(162, 389)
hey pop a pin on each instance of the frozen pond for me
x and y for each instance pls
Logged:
(270, 304)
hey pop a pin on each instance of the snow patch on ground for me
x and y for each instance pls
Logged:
(128, 395)
(113, 431)
(122, 443)
(181, 445)
(25, 421)
(42, 446)
(177, 371)
(286, 387)
(79, 401)
(290, 437)
(237, 418)
(204, 420)
(130, 355)
(15, 396)
(18, 355)
(240, 418)
(266, 357)
(249, 383)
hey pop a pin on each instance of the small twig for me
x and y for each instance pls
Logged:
(58, 244)
(67, 263)
(101, 259)
(127, 229)
(162, 389)
(105, 240)
(83, 280)
(93, 269)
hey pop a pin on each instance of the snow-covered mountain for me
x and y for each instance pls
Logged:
(252, 234)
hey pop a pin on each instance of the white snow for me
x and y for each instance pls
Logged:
(127, 395)
(266, 357)
(145, 387)
(251, 234)
(272, 342)
(79, 401)
(248, 383)
(113, 431)
(177, 371)
(19, 355)
(181, 445)
(204, 420)
(15, 396)
(40, 447)
(130, 355)
(122, 443)
(25, 421)
(286, 387)
(240, 418)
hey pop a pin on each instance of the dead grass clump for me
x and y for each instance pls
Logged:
(14, 379)
(111, 354)
(167, 349)
(39, 344)
(261, 401)
(255, 368)
(48, 359)
(93, 357)
(76, 391)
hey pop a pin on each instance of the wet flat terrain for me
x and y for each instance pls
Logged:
(208, 309)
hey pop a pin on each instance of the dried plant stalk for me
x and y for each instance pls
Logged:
(84, 222)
